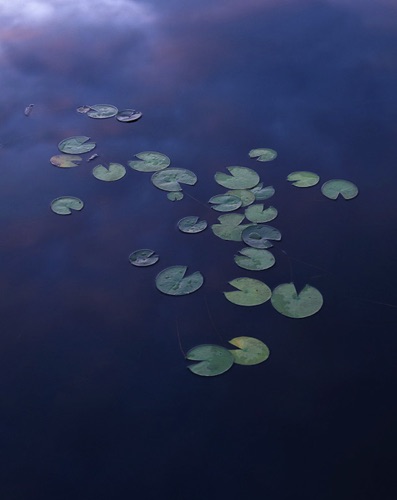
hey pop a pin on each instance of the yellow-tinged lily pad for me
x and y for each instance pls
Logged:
(287, 301)
(65, 161)
(213, 360)
(250, 351)
(250, 292)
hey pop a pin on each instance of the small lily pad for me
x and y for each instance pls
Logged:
(303, 178)
(225, 202)
(83, 109)
(250, 351)
(247, 197)
(172, 281)
(170, 179)
(263, 154)
(258, 214)
(254, 259)
(192, 224)
(239, 178)
(76, 145)
(114, 172)
(65, 161)
(143, 258)
(151, 161)
(335, 187)
(128, 115)
(287, 301)
(102, 111)
(214, 360)
(175, 196)
(230, 227)
(263, 193)
(258, 235)
(250, 292)
(65, 204)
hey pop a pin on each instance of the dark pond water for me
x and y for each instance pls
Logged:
(96, 400)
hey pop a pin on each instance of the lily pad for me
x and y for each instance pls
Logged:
(239, 178)
(258, 214)
(102, 111)
(172, 281)
(263, 154)
(143, 258)
(115, 172)
(303, 178)
(65, 204)
(214, 360)
(65, 161)
(250, 351)
(250, 292)
(335, 187)
(83, 109)
(192, 224)
(258, 235)
(246, 197)
(170, 179)
(151, 161)
(263, 193)
(230, 227)
(175, 196)
(254, 259)
(225, 202)
(287, 301)
(76, 145)
(128, 115)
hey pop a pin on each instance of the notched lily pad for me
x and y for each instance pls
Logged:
(214, 360)
(230, 227)
(254, 259)
(263, 154)
(172, 281)
(250, 351)
(150, 161)
(225, 202)
(258, 214)
(239, 178)
(250, 292)
(65, 161)
(175, 196)
(287, 301)
(247, 197)
(259, 235)
(263, 193)
(170, 179)
(192, 224)
(114, 172)
(65, 204)
(303, 178)
(76, 145)
(128, 115)
(335, 187)
(144, 257)
(102, 111)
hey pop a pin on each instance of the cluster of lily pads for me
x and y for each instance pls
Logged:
(101, 111)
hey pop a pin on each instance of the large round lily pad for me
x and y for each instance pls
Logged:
(258, 214)
(254, 259)
(225, 202)
(287, 301)
(172, 281)
(259, 235)
(192, 224)
(76, 145)
(65, 161)
(303, 178)
(250, 292)
(335, 187)
(230, 227)
(114, 172)
(214, 360)
(144, 257)
(250, 351)
(150, 161)
(263, 154)
(65, 204)
(170, 179)
(239, 178)
(102, 111)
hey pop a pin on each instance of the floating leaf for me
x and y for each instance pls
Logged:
(258, 214)
(115, 172)
(288, 302)
(225, 202)
(192, 224)
(230, 227)
(303, 178)
(128, 115)
(151, 161)
(335, 187)
(83, 109)
(143, 258)
(102, 111)
(175, 196)
(173, 281)
(254, 259)
(263, 193)
(239, 178)
(76, 145)
(246, 197)
(65, 204)
(250, 351)
(214, 360)
(258, 235)
(263, 154)
(169, 179)
(251, 292)
(65, 161)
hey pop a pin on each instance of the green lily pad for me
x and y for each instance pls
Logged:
(115, 172)
(102, 111)
(239, 178)
(263, 193)
(225, 202)
(250, 351)
(335, 187)
(150, 161)
(230, 227)
(214, 360)
(172, 281)
(65, 161)
(246, 197)
(76, 145)
(65, 204)
(250, 292)
(303, 178)
(288, 302)
(128, 115)
(169, 179)
(175, 196)
(192, 224)
(258, 214)
(254, 259)
(263, 154)
(143, 258)
(258, 235)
